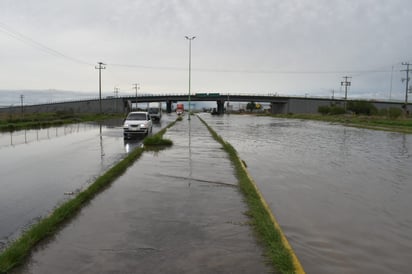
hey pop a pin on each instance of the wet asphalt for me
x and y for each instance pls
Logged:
(178, 210)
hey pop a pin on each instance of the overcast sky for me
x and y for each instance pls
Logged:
(288, 47)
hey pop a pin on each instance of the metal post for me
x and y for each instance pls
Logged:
(136, 86)
(21, 103)
(390, 90)
(190, 65)
(100, 67)
(407, 86)
(116, 94)
(346, 83)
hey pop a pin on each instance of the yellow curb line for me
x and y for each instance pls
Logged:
(295, 260)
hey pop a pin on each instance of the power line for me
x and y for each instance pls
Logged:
(31, 42)
(250, 71)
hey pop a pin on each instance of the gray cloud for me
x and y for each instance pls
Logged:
(266, 40)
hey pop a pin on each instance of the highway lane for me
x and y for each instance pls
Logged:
(39, 169)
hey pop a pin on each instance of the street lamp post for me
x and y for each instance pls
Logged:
(190, 64)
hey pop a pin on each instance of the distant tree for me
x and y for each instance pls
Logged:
(251, 106)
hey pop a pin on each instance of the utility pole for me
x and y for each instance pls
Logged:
(100, 67)
(136, 87)
(21, 103)
(407, 85)
(116, 94)
(390, 90)
(346, 84)
(190, 64)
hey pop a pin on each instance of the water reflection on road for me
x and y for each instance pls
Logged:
(342, 195)
(38, 167)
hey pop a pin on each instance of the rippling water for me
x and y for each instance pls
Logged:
(38, 168)
(342, 195)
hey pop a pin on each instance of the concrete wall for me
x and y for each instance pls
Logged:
(306, 105)
(114, 105)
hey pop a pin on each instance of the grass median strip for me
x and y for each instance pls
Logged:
(18, 250)
(277, 248)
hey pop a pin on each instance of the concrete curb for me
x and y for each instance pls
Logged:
(296, 263)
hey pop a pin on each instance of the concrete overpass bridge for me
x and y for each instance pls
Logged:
(278, 104)
(220, 99)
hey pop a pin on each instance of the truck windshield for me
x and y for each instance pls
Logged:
(136, 116)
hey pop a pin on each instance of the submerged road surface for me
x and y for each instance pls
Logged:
(342, 195)
(41, 168)
(174, 211)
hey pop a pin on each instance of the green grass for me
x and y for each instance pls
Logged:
(43, 120)
(156, 141)
(18, 250)
(268, 233)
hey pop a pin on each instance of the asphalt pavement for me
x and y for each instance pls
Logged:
(178, 210)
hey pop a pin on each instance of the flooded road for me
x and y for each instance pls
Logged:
(177, 210)
(38, 168)
(342, 195)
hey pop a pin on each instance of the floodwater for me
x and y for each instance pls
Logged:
(40, 169)
(341, 195)
(177, 210)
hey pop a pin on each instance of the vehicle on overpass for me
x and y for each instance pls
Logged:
(137, 123)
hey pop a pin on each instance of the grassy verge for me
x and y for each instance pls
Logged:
(156, 141)
(43, 120)
(403, 125)
(277, 249)
(19, 249)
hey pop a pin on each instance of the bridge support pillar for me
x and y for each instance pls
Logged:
(220, 106)
(278, 108)
(169, 106)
